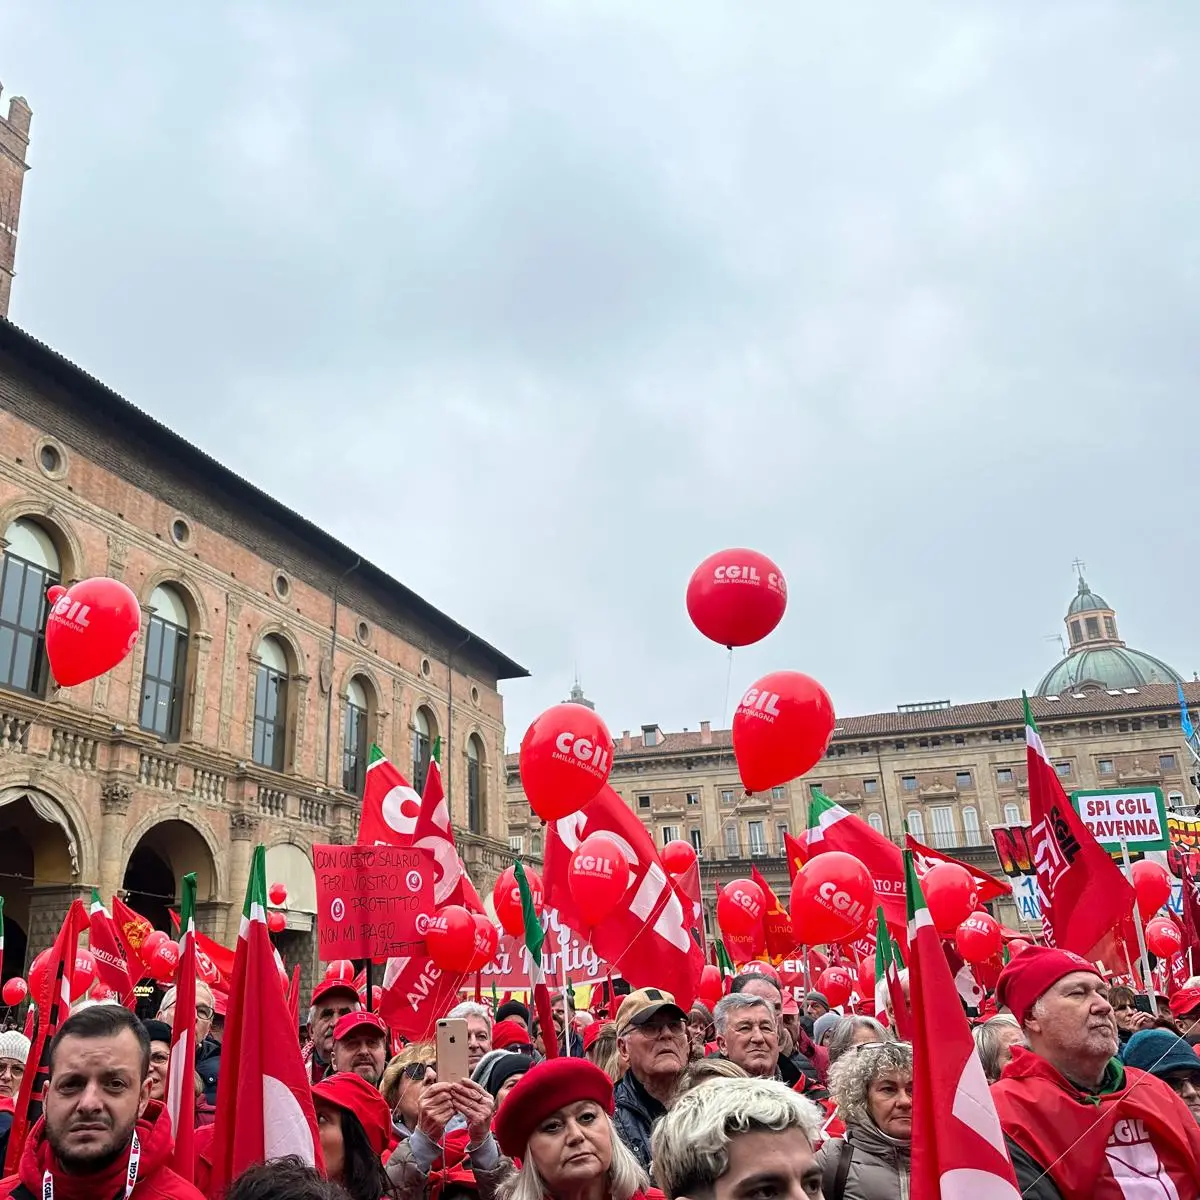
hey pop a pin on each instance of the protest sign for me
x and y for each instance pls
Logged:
(372, 901)
(1137, 817)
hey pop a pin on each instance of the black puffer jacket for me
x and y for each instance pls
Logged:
(208, 1066)
(634, 1114)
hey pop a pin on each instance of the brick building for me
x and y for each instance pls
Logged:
(1109, 717)
(270, 657)
(14, 145)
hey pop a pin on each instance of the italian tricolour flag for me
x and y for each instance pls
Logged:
(535, 935)
(181, 1091)
(264, 1101)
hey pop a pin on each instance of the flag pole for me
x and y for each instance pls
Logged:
(370, 983)
(1141, 936)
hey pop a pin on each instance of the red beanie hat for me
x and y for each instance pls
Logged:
(1032, 973)
(353, 1094)
(549, 1086)
(510, 1033)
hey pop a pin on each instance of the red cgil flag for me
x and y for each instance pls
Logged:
(988, 887)
(958, 1148)
(133, 929)
(1084, 895)
(112, 959)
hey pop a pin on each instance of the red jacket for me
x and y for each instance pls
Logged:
(1135, 1130)
(155, 1179)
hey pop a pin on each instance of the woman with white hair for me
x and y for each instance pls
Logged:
(872, 1087)
(994, 1040)
(558, 1122)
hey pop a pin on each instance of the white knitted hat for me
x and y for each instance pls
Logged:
(14, 1044)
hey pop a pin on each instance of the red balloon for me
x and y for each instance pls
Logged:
(832, 898)
(14, 991)
(163, 962)
(979, 937)
(102, 992)
(276, 922)
(277, 894)
(450, 938)
(39, 977)
(566, 757)
(92, 627)
(1151, 885)
(1163, 937)
(835, 984)
(736, 597)
(712, 985)
(866, 979)
(1018, 946)
(740, 907)
(154, 939)
(598, 874)
(678, 856)
(781, 729)
(83, 974)
(950, 894)
(506, 899)
(758, 967)
(487, 942)
(340, 968)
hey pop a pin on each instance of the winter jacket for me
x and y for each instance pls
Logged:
(155, 1179)
(417, 1167)
(634, 1114)
(797, 1069)
(1068, 1142)
(208, 1067)
(878, 1169)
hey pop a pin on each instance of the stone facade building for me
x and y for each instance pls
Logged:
(14, 146)
(950, 772)
(270, 657)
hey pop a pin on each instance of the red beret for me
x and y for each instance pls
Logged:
(354, 1094)
(1032, 973)
(510, 1033)
(549, 1086)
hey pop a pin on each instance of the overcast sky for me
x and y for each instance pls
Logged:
(536, 304)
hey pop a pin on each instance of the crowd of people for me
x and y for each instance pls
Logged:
(758, 1097)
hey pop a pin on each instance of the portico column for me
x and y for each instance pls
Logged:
(242, 828)
(115, 799)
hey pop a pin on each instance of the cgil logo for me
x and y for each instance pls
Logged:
(586, 752)
(594, 865)
(737, 573)
(842, 903)
(756, 701)
(746, 901)
(71, 611)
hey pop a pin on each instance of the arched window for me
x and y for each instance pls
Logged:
(875, 821)
(970, 820)
(30, 566)
(474, 784)
(270, 704)
(354, 738)
(166, 664)
(1012, 814)
(423, 734)
(535, 844)
(916, 825)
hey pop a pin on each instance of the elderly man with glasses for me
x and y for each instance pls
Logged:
(208, 1049)
(652, 1045)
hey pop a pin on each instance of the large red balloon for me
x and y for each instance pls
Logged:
(979, 937)
(598, 875)
(83, 974)
(163, 962)
(678, 856)
(506, 899)
(1163, 937)
(781, 729)
(487, 941)
(15, 990)
(450, 938)
(1151, 885)
(832, 898)
(950, 894)
(835, 984)
(566, 758)
(39, 971)
(740, 907)
(92, 626)
(712, 985)
(736, 597)
(866, 979)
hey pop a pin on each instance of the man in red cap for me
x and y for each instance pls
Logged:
(332, 999)
(360, 1045)
(1078, 1123)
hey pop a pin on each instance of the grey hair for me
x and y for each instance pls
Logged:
(841, 1037)
(855, 1071)
(987, 1042)
(691, 1143)
(625, 1175)
(468, 1008)
(736, 1002)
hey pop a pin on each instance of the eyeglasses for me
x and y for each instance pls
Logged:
(204, 1012)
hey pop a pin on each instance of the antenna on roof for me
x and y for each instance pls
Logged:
(1057, 637)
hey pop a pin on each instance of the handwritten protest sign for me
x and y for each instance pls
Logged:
(372, 901)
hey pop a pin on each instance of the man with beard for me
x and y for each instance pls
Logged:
(360, 1045)
(100, 1135)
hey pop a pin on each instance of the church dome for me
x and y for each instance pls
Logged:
(1097, 654)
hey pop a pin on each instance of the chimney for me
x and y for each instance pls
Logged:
(706, 733)
(626, 741)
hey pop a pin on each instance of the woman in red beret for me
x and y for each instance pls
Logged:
(557, 1122)
(354, 1124)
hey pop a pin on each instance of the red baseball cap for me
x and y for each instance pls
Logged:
(328, 986)
(354, 1094)
(1184, 1001)
(359, 1020)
